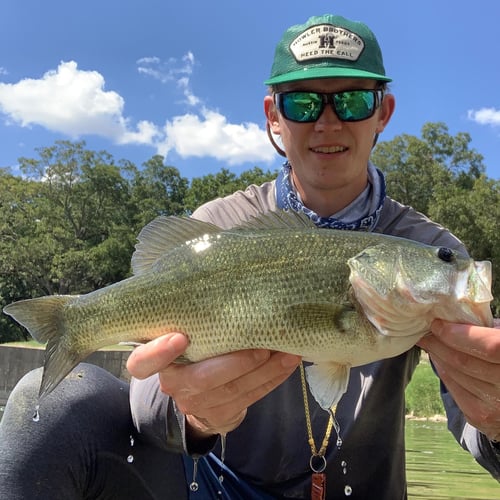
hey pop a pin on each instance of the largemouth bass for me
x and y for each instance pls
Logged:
(337, 298)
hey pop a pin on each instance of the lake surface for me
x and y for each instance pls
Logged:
(437, 468)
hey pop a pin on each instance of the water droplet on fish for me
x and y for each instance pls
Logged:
(347, 490)
(130, 459)
(36, 415)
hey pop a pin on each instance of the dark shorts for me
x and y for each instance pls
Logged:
(84, 446)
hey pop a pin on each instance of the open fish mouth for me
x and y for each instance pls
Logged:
(473, 291)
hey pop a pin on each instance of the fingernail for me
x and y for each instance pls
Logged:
(176, 336)
(261, 355)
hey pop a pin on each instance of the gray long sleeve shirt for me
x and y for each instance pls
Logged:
(270, 448)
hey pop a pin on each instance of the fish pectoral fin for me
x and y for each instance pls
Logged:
(182, 360)
(321, 315)
(327, 382)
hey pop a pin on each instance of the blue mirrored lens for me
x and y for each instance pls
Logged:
(354, 105)
(302, 106)
(349, 106)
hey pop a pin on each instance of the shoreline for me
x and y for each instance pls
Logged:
(431, 418)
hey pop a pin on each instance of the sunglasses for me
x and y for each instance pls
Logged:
(349, 105)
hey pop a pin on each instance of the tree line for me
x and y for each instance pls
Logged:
(68, 224)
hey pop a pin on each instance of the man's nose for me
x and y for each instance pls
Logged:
(328, 119)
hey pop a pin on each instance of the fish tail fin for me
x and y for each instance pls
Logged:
(41, 317)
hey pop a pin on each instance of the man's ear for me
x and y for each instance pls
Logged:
(385, 112)
(271, 114)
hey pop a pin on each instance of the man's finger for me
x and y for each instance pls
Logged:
(156, 355)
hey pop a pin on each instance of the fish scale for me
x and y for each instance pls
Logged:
(336, 298)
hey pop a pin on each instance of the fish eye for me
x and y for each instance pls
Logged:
(445, 254)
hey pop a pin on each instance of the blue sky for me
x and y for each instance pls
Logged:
(185, 79)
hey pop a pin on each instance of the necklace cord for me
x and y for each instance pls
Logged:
(324, 445)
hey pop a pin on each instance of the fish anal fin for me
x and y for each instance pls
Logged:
(327, 382)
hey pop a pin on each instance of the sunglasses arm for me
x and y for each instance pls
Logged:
(273, 142)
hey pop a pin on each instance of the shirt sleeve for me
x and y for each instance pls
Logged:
(158, 420)
(403, 221)
(485, 452)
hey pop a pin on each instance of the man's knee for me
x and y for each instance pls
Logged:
(87, 393)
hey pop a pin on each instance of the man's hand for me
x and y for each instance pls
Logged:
(213, 394)
(467, 359)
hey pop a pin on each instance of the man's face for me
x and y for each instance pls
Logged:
(329, 155)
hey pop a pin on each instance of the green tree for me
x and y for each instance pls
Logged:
(223, 183)
(157, 189)
(81, 191)
(17, 222)
(209, 187)
(442, 177)
(414, 166)
(65, 226)
(473, 215)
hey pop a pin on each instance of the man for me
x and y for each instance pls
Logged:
(328, 104)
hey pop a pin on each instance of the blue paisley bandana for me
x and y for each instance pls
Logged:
(362, 214)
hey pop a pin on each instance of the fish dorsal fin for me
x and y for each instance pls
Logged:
(278, 219)
(164, 234)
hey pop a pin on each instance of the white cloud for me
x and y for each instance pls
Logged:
(75, 103)
(211, 135)
(206, 133)
(172, 70)
(70, 101)
(166, 71)
(146, 133)
(485, 116)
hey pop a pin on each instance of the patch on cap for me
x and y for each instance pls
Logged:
(327, 41)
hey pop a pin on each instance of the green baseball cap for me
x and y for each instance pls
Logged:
(327, 46)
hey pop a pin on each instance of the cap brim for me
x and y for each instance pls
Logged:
(311, 73)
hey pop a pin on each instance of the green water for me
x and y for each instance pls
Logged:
(437, 468)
